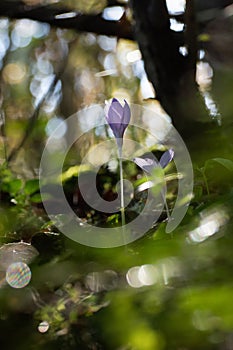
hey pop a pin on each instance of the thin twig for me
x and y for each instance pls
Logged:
(33, 118)
(3, 134)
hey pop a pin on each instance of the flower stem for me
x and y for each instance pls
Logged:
(166, 206)
(122, 195)
(122, 190)
(206, 182)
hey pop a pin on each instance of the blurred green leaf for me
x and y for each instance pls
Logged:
(15, 186)
(226, 163)
(31, 186)
(36, 198)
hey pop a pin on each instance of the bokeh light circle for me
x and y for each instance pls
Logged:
(43, 327)
(18, 275)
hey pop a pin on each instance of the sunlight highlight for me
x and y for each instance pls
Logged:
(66, 15)
(43, 327)
(204, 76)
(148, 275)
(113, 13)
(176, 26)
(14, 73)
(134, 56)
(209, 225)
(132, 277)
(101, 281)
(176, 5)
(162, 273)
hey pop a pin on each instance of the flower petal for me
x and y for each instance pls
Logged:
(146, 164)
(126, 114)
(115, 112)
(166, 158)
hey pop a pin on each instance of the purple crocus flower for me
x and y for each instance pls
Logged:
(148, 164)
(118, 118)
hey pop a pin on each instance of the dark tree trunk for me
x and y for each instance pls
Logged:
(172, 75)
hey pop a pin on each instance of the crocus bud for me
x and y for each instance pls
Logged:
(118, 118)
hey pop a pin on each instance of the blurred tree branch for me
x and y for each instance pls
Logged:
(80, 22)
